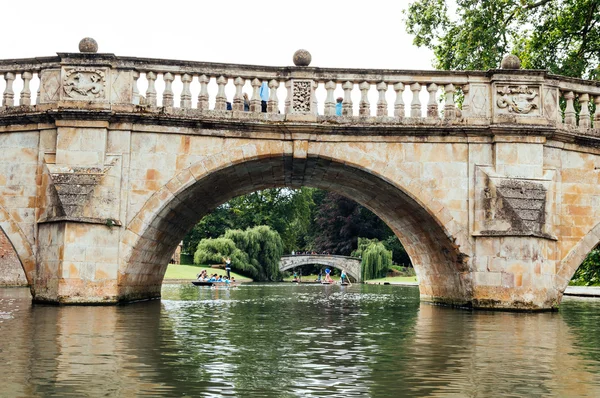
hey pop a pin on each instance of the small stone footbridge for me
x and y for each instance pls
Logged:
(349, 264)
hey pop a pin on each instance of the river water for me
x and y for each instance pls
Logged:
(285, 340)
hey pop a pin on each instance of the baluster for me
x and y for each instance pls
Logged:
(135, 90)
(151, 91)
(255, 105)
(288, 98)
(399, 103)
(364, 107)
(203, 95)
(329, 101)
(273, 103)
(415, 105)
(8, 99)
(584, 114)
(238, 98)
(347, 104)
(466, 106)
(26, 92)
(168, 93)
(597, 113)
(186, 94)
(39, 92)
(450, 107)
(382, 106)
(570, 109)
(221, 98)
(432, 106)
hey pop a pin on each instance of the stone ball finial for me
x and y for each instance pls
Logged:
(88, 45)
(511, 61)
(302, 58)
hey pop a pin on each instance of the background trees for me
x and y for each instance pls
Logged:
(562, 36)
(254, 252)
(306, 219)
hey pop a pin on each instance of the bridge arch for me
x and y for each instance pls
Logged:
(569, 265)
(19, 242)
(349, 264)
(424, 225)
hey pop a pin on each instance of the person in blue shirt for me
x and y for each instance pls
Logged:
(264, 96)
(338, 106)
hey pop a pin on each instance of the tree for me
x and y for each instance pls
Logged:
(562, 36)
(376, 260)
(212, 251)
(254, 252)
(588, 273)
(339, 221)
(287, 211)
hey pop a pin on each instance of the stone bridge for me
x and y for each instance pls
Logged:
(350, 264)
(107, 161)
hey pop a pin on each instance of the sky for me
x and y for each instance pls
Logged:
(337, 33)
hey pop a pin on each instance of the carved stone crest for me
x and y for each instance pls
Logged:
(84, 83)
(518, 99)
(301, 99)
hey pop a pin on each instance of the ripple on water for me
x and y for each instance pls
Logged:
(275, 340)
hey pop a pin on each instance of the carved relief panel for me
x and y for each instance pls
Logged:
(511, 206)
(84, 83)
(301, 96)
(518, 99)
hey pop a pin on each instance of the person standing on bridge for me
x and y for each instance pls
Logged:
(264, 96)
(338, 106)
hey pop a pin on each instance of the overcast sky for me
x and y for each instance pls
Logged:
(366, 34)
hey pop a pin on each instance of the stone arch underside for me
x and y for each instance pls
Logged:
(19, 244)
(569, 265)
(441, 267)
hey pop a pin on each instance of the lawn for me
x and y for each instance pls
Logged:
(179, 271)
(395, 279)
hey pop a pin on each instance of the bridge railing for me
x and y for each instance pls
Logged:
(490, 97)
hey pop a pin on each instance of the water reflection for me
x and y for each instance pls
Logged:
(288, 341)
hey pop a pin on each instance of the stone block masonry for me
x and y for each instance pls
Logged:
(497, 203)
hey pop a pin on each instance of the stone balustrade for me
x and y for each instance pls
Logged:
(484, 97)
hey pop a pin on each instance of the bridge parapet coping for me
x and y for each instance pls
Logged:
(490, 98)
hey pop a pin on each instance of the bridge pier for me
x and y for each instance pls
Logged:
(77, 263)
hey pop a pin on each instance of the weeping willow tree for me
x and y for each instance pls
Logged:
(264, 248)
(212, 251)
(375, 258)
(254, 252)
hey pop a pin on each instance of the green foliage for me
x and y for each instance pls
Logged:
(255, 252)
(263, 247)
(307, 219)
(559, 35)
(588, 273)
(287, 211)
(213, 251)
(399, 255)
(375, 258)
(339, 221)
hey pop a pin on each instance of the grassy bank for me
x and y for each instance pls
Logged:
(395, 279)
(180, 271)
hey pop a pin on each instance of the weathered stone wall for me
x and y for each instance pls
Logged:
(11, 270)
